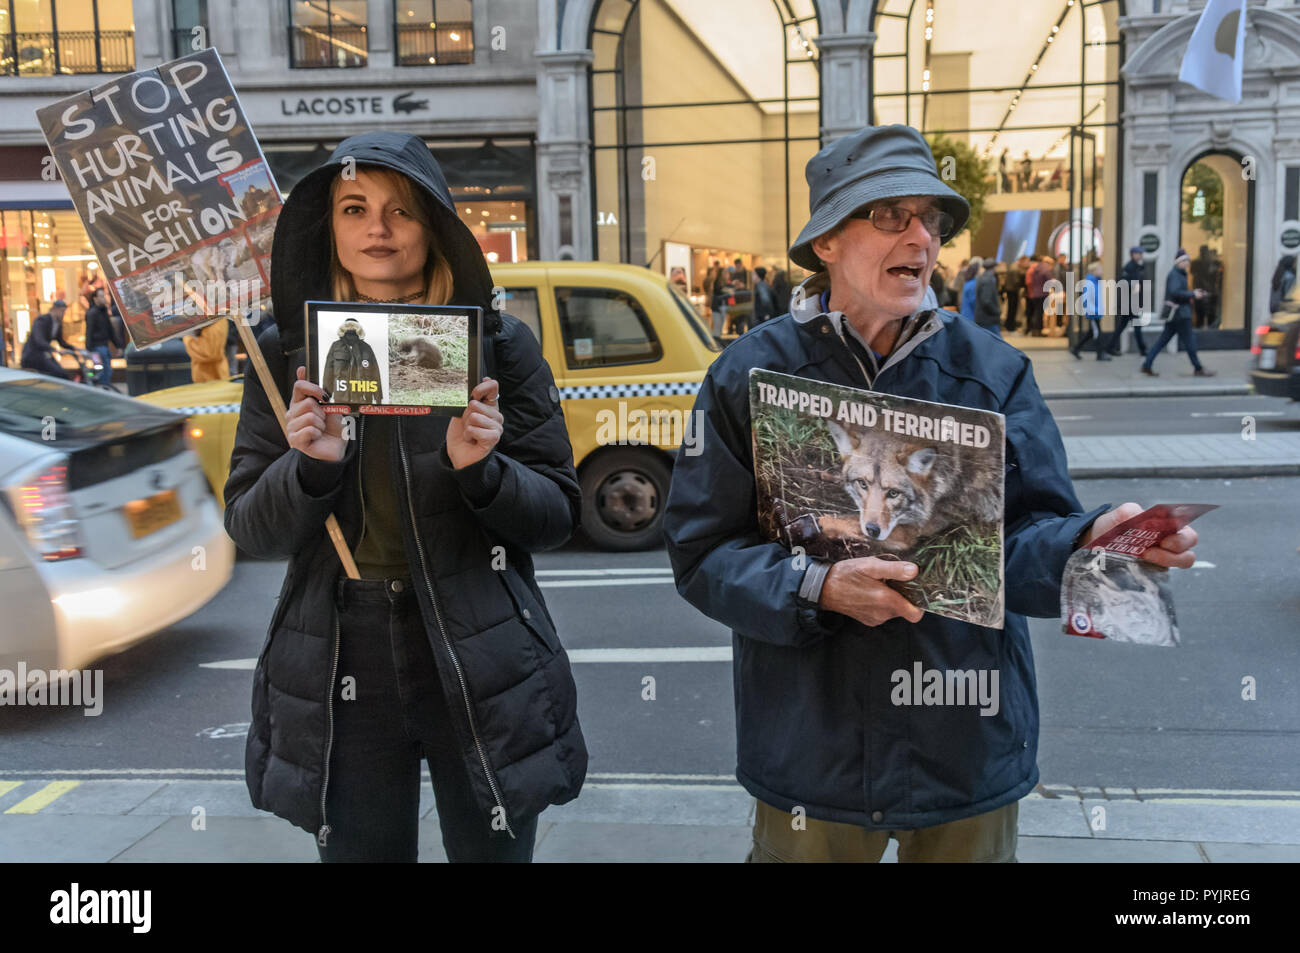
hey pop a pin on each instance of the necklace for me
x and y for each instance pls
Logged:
(405, 299)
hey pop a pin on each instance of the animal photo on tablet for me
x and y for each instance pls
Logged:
(428, 358)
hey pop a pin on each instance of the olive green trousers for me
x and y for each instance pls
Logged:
(782, 837)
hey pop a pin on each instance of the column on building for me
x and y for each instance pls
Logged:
(563, 155)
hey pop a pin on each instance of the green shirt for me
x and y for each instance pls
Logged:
(380, 554)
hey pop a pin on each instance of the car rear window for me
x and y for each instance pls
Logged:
(603, 327)
(693, 318)
(522, 303)
(26, 403)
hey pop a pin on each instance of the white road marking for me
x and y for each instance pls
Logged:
(1203, 564)
(703, 653)
(1240, 413)
(1075, 417)
(602, 572)
(707, 653)
(586, 583)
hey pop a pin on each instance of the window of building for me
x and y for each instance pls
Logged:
(434, 32)
(327, 34)
(189, 26)
(603, 327)
(51, 37)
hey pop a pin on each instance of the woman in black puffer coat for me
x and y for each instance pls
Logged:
(444, 649)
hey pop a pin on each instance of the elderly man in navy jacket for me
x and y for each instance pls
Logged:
(836, 767)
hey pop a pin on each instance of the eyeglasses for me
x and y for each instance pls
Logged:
(896, 218)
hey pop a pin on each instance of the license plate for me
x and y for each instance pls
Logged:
(152, 513)
(1267, 358)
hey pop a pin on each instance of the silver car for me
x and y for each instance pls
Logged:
(108, 530)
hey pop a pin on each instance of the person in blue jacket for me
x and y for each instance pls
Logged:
(837, 768)
(1179, 297)
(968, 288)
(1094, 308)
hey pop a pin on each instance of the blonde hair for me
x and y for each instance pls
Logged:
(438, 280)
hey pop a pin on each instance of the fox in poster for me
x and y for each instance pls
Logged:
(906, 488)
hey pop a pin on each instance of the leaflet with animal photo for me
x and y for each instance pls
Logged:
(1109, 592)
(393, 359)
(174, 192)
(843, 472)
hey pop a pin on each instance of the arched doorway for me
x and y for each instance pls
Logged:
(1216, 218)
(702, 118)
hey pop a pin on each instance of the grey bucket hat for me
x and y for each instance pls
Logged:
(876, 162)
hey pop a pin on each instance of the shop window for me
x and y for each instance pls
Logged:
(433, 32)
(190, 27)
(52, 37)
(327, 34)
(522, 304)
(603, 327)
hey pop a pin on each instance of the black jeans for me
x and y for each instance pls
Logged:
(1182, 327)
(390, 715)
(1120, 324)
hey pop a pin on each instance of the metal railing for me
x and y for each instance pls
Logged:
(70, 51)
(446, 44)
(330, 47)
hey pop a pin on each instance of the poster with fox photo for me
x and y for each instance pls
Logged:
(843, 473)
(173, 190)
(393, 358)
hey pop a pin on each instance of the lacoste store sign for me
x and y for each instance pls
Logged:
(381, 105)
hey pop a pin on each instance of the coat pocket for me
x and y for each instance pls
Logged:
(528, 612)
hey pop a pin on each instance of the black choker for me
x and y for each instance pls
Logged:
(405, 299)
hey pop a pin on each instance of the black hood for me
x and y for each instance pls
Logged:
(301, 249)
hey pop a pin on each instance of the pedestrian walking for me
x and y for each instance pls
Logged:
(781, 291)
(1094, 307)
(721, 294)
(1013, 289)
(38, 348)
(101, 332)
(1283, 281)
(968, 288)
(764, 298)
(444, 649)
(988, 303)
(1040, 273)
(835, 767)
(1178, 298)
(1133, 278)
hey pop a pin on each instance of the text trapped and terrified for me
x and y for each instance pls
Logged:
(944, 429)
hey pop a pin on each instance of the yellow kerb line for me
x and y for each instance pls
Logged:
(7, 786)
(43, 798)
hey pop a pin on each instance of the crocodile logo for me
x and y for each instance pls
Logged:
(405, 104)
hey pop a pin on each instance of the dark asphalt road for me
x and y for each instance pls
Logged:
(1112, 714)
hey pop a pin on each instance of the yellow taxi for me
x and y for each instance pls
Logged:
(628, 352)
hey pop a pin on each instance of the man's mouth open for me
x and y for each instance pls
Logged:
(908, 272)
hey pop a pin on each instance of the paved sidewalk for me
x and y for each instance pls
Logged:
(1060, 376)
(1192, 455)
(618, 818)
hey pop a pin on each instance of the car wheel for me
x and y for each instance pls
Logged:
(623, 497)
